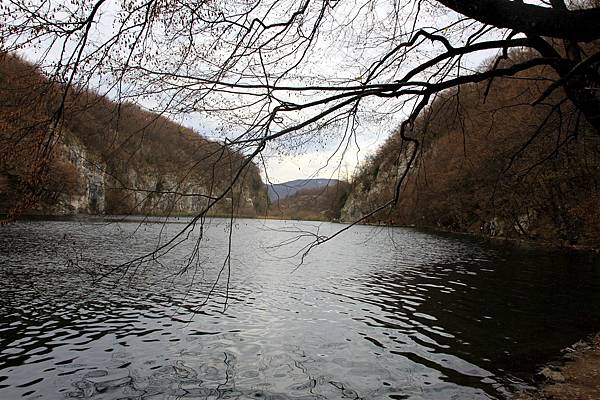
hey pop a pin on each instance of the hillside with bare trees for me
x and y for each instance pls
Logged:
(107, 157)
(318, 203)
(504, 157)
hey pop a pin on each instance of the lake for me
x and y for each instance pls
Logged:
(376, 313)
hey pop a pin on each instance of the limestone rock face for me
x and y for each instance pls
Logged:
(99, 191)
(91, 177)
(366, 197)
(105, 157)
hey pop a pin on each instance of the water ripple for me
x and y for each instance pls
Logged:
(392, 313)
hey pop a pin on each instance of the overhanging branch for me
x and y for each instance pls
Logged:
(578, 25)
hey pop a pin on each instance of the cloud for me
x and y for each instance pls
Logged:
(320, 163)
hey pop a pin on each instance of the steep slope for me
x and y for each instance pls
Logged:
(494, 164)
(318, 203)
(107, 157)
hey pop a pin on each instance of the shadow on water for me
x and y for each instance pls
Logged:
(478, 320)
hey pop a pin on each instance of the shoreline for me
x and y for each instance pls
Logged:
(541, 244)
(522, 242)
(576, 376)
(83, 217)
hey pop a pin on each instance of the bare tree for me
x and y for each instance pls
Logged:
(273, 73)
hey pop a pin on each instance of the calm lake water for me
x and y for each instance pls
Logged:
(376, 313)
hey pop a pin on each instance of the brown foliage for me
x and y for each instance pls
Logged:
(491, 162)
(323, 203)
(123, 140)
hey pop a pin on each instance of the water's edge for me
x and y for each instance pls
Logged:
(514, 241)
(574, 375)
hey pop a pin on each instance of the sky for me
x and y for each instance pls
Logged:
(325, 160)
(330, 162)
(335, 57)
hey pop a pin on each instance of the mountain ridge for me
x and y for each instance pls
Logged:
(280, 191)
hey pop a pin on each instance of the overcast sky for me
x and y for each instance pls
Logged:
(333, 57)
(332, 161)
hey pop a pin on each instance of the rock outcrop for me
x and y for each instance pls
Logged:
(110, 158)
(90, 198)
(141, 192)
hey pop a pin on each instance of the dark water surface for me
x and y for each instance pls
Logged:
(389, 313)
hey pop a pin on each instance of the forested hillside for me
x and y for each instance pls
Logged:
(279, 191)
(498, 158)
(316, 203)
(106, 157)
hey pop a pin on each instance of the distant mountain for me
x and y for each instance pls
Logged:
(279, 191)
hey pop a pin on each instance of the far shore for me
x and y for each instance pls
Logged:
(152, 218)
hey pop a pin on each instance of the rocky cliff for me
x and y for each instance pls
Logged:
(491, 163)
(102, 157)
(90, 195)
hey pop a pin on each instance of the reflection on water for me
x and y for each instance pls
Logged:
(392, 313)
